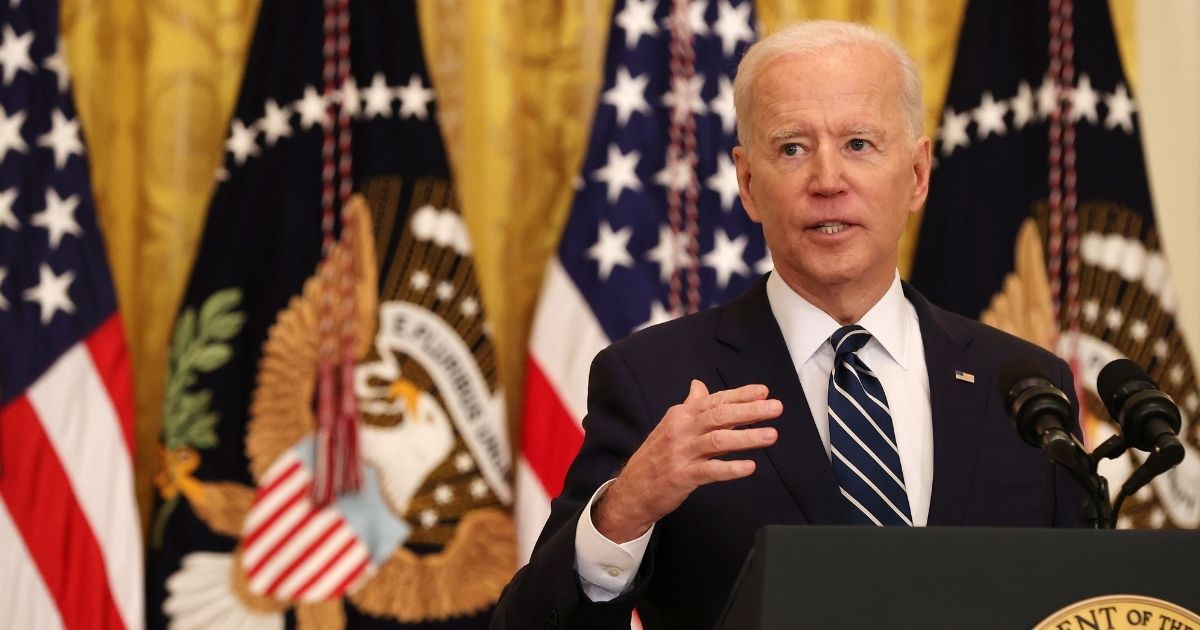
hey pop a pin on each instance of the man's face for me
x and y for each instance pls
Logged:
(830, 170)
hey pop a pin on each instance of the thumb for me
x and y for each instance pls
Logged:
(696, 391)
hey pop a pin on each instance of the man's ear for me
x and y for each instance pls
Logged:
(741, 163)
(922, 161)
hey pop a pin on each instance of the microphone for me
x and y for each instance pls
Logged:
(1041, 413)
(1149, 418)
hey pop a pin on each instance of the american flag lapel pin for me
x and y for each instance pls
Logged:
(964, 376)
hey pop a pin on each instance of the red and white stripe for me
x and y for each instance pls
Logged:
(564, 340)
(70, 539)
(291, 549)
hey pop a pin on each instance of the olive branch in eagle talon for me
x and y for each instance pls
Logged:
(199, 346)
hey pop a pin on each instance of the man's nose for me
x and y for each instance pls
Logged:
(826, 175)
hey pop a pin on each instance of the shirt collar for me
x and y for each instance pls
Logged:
(805, 327)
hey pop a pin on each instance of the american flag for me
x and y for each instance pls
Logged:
(656, 229)
(70, 543)
(294, 549)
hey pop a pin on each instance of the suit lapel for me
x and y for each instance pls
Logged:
(954, 405)
(759, 355)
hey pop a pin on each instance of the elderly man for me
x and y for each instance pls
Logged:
(828, 393)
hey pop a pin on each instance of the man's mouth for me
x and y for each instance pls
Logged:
(831, 227)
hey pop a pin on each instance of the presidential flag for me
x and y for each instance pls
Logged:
(1039, 219)
(656, 230)
(70, 542)
(335, 448)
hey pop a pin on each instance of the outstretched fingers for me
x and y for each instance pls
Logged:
(722, 441)
(739, 413)
(683, 452)
(743, 394)
(715, 470)
(719, 422)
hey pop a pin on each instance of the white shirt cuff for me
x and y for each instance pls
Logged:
(606, 569)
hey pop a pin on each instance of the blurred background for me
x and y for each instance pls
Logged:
(517, 84)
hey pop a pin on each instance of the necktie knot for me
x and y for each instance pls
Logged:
(849, 339)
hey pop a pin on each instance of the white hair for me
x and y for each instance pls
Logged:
(816, 36)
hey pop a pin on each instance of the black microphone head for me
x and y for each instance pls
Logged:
(1118, 381)
(1032, 399)
(1134, 401)
(1018, 375)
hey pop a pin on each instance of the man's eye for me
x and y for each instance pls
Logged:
(857, 144)
(791, 149)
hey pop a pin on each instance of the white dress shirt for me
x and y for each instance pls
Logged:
(897, 356)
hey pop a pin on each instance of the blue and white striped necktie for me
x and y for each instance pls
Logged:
(862, 439)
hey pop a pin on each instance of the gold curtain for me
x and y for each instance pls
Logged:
(517, 82)
(155, 82)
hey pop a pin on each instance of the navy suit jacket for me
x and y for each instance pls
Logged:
(983, 474)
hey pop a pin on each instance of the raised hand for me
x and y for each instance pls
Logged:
(680, 455)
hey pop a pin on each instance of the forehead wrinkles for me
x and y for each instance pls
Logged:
(851, 114)
(860, 84)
